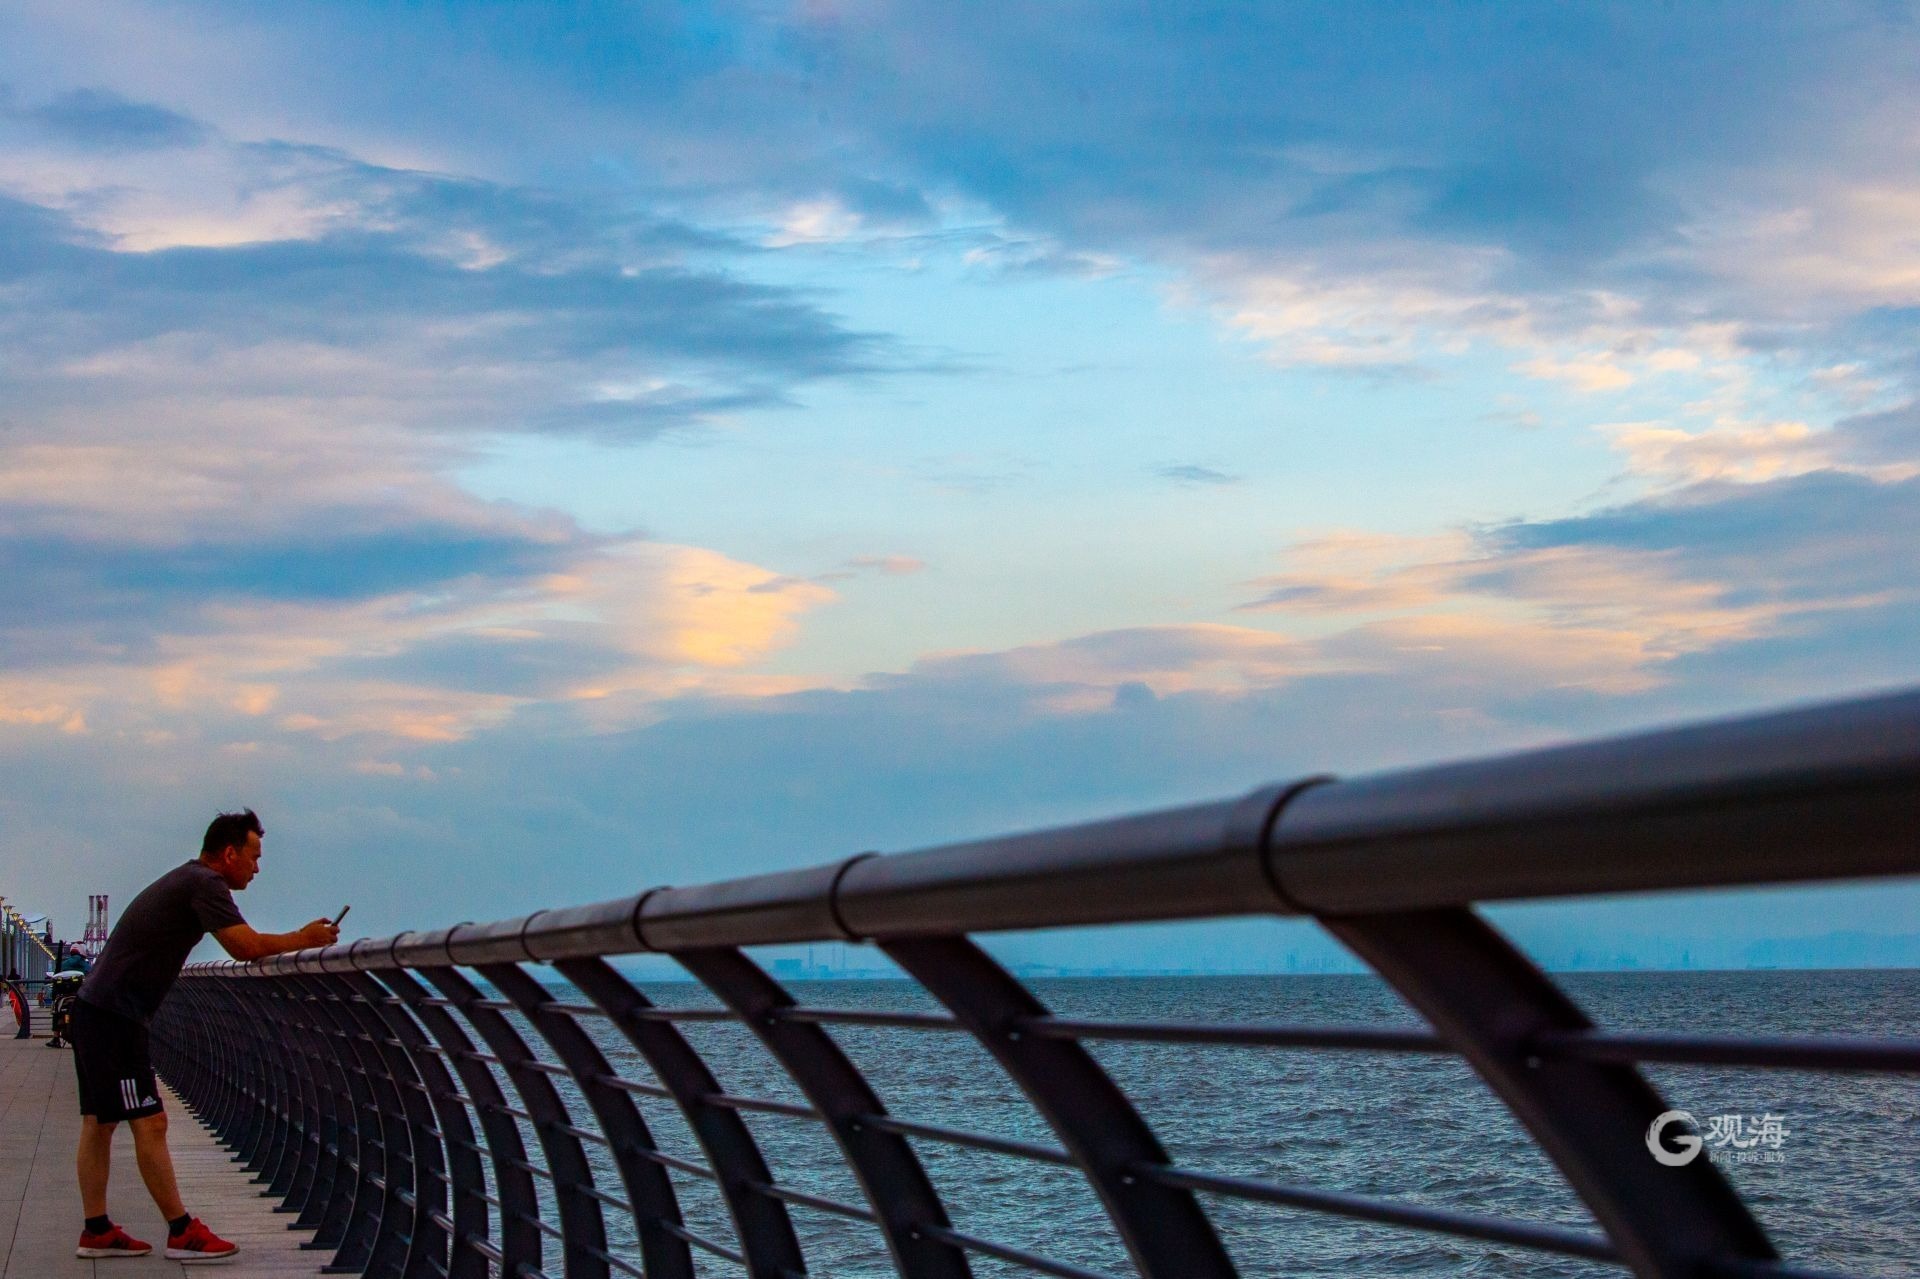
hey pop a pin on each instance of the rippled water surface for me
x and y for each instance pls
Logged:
(1845, 1193)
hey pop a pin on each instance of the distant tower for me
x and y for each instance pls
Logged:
(96, 935)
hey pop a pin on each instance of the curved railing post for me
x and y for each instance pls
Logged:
(583, 1231)
(520, 1243)
(1490, 1002)
(656, 1209)
(300, 1149)
(896, 1185)
(310, 1196)
(1163, 1227)
(369, 1242)
(253, 1141)
(434, 1119)
(760, 1221)
(411, 1244)
(269, 1156)
(466, 1186)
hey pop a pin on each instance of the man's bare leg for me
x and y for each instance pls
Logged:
(156, 1165)
(94, 1163)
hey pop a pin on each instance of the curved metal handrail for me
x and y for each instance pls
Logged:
(1389, 864)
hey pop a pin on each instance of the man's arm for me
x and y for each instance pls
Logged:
(243, 943)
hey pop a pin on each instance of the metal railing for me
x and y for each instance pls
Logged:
(429, 1107)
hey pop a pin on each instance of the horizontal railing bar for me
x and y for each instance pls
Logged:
(624, 1267)
(1747, 1268)
(855, 1017)
(687, 1166)
(571, 1010)
(703, 1243)
(761, 1105)
(1802, 1052)
(485, 1248)
(684, 1014)
(632, 1085)
(977, 1140)
(539, 1223)
(1368, 1038)
(1542, 1238)
(1821, 793)
(542, 1067)
(594, 1192)
(786, 1194)
(1005, 1252)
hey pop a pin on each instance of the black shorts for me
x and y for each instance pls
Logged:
(111, 1061)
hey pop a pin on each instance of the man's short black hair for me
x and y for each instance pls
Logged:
(229, 830)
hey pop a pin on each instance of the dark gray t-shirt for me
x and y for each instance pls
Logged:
(156, 932)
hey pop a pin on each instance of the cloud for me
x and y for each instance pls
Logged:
(1192, 473)
(99, 120)
(888, 565)
(1267, 159)
(1089, 670)
(266, 270)
(238, 376)
(1622, 599)
(447, 648)
(1597, 374)
(1749, 453)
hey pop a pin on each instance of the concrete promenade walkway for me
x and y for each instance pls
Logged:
(40, 1205)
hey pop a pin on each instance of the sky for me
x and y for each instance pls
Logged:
(531, 453)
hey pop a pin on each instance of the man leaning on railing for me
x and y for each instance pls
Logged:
(143, 956)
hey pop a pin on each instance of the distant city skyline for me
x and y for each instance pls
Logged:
(535, 453)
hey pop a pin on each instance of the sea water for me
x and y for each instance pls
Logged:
(1828, 1162)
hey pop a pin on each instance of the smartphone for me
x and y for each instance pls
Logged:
(342, 915)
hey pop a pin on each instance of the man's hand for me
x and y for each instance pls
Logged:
(321, 932)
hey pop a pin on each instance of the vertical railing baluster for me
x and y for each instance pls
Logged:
(1164, 1228)
(656, 1209)
(300, 1148)
(761, 1222)
(466, 1187)
(310, 1194)
(410, 1245)
(1488, 1001)
(251, 1140)
(341, 1215)
(889, 1172)
(520, 1241)
(368, 1244)
(270, 1156)
(583, 1231)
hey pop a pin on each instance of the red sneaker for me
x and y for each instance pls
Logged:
(111, 1242)
(198, 1244)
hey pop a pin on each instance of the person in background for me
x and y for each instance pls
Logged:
(137, 967)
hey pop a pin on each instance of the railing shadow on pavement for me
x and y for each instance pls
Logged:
(429, 1107)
